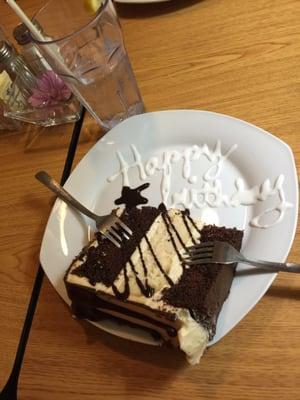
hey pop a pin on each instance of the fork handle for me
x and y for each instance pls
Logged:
(56, 188)
(273, 266)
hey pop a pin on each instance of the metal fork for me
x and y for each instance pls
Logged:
(224, 253)
(109, 226)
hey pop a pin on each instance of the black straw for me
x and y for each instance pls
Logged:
(9, 391)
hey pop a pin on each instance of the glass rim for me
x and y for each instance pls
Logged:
(75, 32)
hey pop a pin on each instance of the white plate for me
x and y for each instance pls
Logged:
(258, 156)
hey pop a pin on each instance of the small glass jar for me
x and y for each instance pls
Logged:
(34, 93)
(29, 51)
(6, 124)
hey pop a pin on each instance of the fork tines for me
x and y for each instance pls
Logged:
(112, 235)
(200, 253)
(199, 247)
(120, 230)
(116, 230)
(127, 232)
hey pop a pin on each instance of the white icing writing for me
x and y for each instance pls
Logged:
(210, 191)
(265, 191)
(124, 167)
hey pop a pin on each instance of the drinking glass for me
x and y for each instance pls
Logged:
(85, 47)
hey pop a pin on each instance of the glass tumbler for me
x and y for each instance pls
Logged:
(85, 47)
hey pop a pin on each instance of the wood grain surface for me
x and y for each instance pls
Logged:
(238, 57)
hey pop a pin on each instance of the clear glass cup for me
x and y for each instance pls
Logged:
(85, 47)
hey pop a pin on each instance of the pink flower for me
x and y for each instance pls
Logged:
(50, 90)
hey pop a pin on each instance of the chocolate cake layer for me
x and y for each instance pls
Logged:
(95, 306)
(204, 287)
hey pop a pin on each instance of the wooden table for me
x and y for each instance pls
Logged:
(238, 57)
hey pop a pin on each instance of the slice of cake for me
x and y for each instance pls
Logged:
(145, 283)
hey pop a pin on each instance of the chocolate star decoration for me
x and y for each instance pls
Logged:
(132, 197)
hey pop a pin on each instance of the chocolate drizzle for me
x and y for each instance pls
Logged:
(146, 290)
(192, 221)
(143, 261)
(168, 279)
(132, 197)
(175, 231)
(149, 288)
(184, 218)
(166, 221)
(125, 294)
